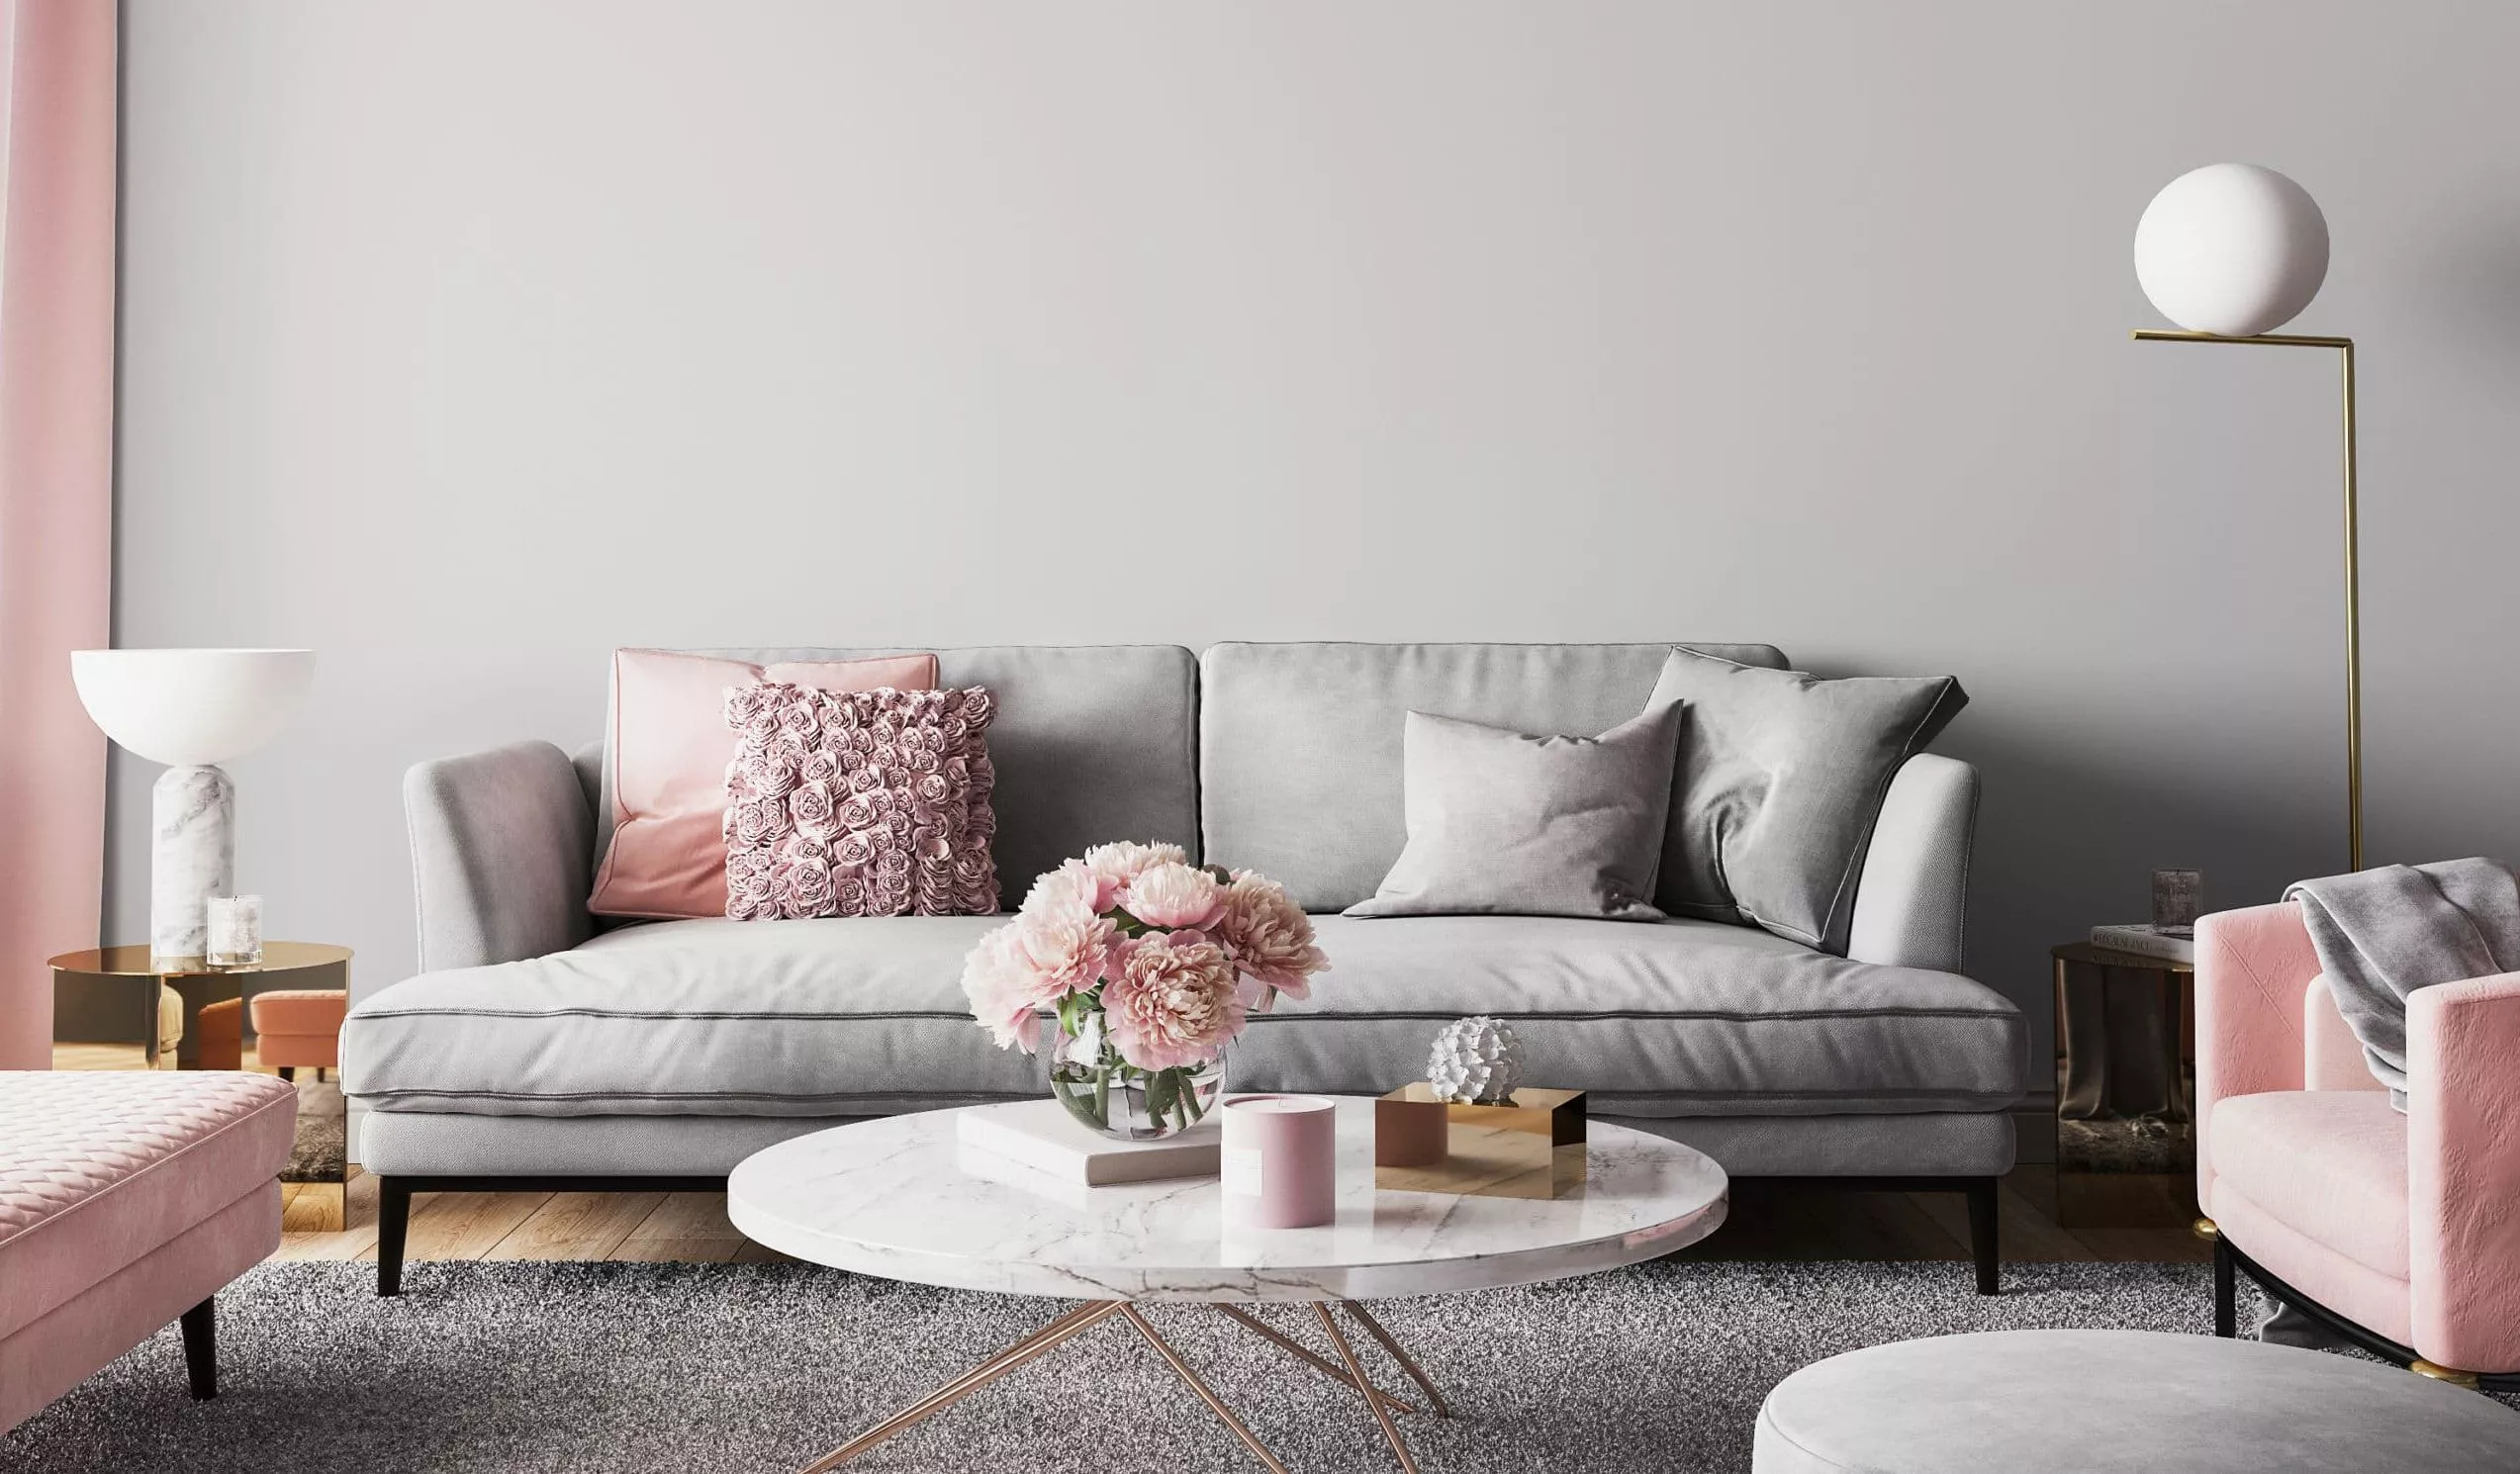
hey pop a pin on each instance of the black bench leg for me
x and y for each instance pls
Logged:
(2226, 1291)
(393, 1222)
(1982, 1235)
(290, 1073)
(201, 1348)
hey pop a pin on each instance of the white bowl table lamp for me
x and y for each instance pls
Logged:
(2231, 252)
(191, 710)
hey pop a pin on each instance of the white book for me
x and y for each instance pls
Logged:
(1041, 1134)
(2177, 943)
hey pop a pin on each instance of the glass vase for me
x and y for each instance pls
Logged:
(1116, 1098)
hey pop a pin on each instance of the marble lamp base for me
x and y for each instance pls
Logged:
(192, 856)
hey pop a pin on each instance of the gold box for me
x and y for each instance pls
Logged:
(1531, 1147)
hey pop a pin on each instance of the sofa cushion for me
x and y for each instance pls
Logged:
(1091, 743)
(1300, 745)
(866, 803)
(859, 1015)
(665, 787)
(1672, 1018)
(865, 1015)
(1507, 823)
(1781, 776)
(2329, 1165)
(101, 1168)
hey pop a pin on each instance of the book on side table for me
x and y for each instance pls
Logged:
(1041, 1134)
(2176, 943)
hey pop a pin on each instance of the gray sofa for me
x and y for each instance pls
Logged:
(537, 1048)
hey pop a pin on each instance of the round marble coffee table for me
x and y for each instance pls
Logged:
(903, 1199)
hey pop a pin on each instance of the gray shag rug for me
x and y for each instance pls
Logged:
(629, 1368)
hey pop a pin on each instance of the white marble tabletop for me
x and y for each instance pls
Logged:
(901, 1198)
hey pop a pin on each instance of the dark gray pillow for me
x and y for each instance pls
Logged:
(1505, 823)
(1781, 777)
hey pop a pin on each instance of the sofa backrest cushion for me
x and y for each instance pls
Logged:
(1091, 743)
(1300, 745)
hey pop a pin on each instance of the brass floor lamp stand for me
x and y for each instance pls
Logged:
(1348, 1371)
(2352, 584)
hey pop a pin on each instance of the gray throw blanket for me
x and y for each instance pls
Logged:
(2384, 933)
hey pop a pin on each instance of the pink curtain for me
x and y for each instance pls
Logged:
(56, 490)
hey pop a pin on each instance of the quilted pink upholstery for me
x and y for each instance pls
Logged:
(100, 1168)
(59, 1352)
(2307, 1180)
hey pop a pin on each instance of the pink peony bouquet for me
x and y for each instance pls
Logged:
(1151, 965)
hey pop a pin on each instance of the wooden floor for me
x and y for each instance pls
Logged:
(1767, 1221)
(2144, 1220)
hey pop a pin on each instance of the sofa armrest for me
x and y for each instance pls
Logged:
(2463, 1171)
(2253, 974)
(502, 855)
(1911, 899)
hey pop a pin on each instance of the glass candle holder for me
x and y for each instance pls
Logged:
(236, 930)
(2179, 897)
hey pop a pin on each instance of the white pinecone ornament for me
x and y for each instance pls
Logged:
(1476, 1062)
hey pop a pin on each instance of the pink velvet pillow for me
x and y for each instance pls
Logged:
(867, 804)
(666, 766)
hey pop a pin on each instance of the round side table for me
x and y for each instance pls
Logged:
(319, 1159)
(2125, 1086)
(283, 965)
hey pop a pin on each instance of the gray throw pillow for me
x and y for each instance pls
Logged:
(1501, 823)
(1781, 777)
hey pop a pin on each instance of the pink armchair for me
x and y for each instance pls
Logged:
(2400, 1233)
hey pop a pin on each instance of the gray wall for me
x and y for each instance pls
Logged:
(464, 342)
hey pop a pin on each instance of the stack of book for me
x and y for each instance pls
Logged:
(2177, 944)
(1042, 1136)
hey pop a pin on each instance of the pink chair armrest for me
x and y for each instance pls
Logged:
(2463, 1170)
(2252, 967)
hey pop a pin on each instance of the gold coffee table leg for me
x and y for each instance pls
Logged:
(1390, 1430)
(1260, 1450)
(1425, 1385)
(1094, 1312)
(1314, 1359)
(971, 1381)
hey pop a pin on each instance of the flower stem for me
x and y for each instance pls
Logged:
(1099, 1112)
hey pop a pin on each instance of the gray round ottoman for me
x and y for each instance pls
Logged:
(2101, 1401)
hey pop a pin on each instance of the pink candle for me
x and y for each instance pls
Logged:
(1279, 1157)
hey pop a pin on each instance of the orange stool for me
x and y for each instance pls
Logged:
(300, 1026)
(221, 1045)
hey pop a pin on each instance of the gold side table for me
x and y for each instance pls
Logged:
(2126, 1087)
(320, 1159)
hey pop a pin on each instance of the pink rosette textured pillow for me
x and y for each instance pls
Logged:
(872, 803)
(665, 770)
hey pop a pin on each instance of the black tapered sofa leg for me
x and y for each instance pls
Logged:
(392, 1223)
(2227, 1290)
(201, 1348)
(1983, 1244)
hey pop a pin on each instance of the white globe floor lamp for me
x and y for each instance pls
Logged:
(191, 710)
(2230, 252)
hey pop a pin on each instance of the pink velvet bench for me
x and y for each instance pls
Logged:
(127, 1199)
